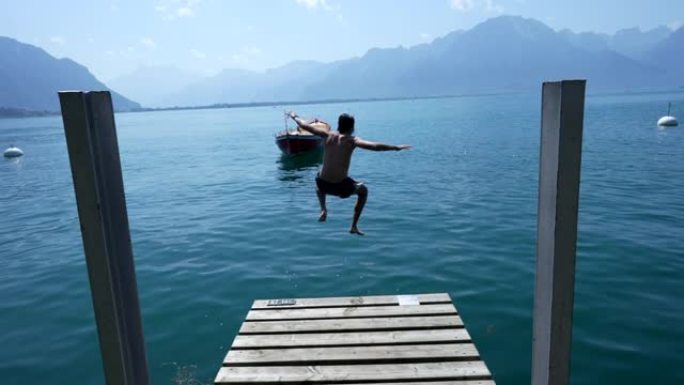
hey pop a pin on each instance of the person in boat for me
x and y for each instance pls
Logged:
(333, 178)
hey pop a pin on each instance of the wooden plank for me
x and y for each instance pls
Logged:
(400, 323)
(347, 355)
(458, 370)
(465, 382)
(378, 300)
(350, 312)
(255, 341)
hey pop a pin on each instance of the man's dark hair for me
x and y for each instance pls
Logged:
(345, 124)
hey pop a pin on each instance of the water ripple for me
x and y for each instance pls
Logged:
(219, 218)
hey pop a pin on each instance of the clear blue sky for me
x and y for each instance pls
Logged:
(113, 37)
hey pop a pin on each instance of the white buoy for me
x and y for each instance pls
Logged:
(668, 121)
(13, 152)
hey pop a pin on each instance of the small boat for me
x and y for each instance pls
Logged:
(299, 140)
(668, 120)
(13, 152)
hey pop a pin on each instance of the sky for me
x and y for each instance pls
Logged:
(114, 37)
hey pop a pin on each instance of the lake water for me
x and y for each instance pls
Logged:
(218, 219)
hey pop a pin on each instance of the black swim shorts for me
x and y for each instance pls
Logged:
(343, 189)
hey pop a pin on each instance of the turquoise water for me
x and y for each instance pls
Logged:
(218, 219)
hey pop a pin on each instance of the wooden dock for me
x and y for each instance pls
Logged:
(354, 340)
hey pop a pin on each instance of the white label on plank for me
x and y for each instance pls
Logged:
(281, 302)
(406, 300)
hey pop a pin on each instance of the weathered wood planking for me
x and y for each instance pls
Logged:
(350, 312)
(378, 300)
(459, 370)
(340, 325)
(389, 340)
(255, 341)
(466, 382)
(416, 353)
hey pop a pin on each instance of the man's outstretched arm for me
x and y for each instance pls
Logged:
(373, 146)
(307, 126)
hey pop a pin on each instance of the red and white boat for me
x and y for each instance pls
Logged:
(299, 140)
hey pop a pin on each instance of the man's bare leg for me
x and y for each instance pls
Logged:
(324, 210)
(362, 192)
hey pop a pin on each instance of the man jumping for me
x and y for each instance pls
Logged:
(333, 179)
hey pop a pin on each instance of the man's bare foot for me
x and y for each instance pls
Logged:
(355, 230)
(323, 217)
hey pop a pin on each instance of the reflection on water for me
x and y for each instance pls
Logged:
(14, 162)
(293, 167)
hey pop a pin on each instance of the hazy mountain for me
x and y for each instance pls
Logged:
(500, 54)
(152, 86)
(506, 53)
(30, 78)
(587, 40)
(631, 42)
(235, 86)
(669, 54)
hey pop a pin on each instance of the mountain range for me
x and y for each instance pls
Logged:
(30, 79)
(506, 53)
(150, 85)
(631, 42)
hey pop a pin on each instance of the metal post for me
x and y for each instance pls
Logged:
(559, 178)
(96, 169)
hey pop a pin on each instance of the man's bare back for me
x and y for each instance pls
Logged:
(333, 178)
(337, 157)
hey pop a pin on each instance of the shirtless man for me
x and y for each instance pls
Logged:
(333, 179)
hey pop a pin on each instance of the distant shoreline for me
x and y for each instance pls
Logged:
(23, 113)
(307, 102)
(9, 113)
